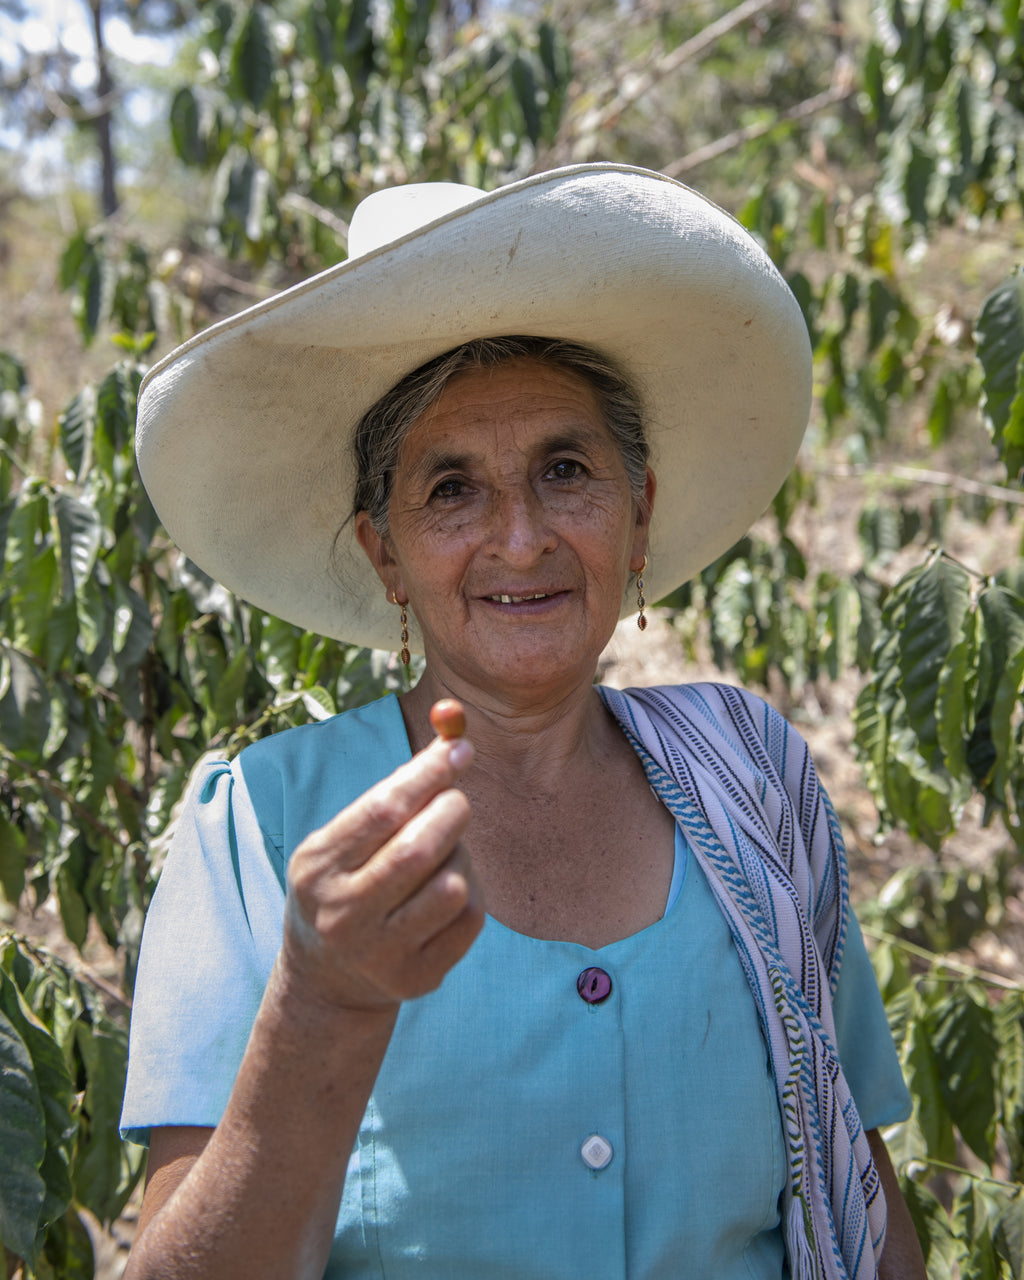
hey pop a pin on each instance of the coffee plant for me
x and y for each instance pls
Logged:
(122, 664)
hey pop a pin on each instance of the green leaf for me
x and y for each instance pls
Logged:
(882, 305)
(878, 529)
(104, 1171)
(77, 429)
(24, 707)
(252, 59)
(61, 634)
(524, 85)
(80, 533)
(115, 408)
(938, 1243)
(1009, 1028)
(1000, 339)
(89, 303)
(23, 1142)
(12, 860)
(1003, 614)
(319, 703)
(1005, 714)
(231, 686)
(964, 1045)
(185, 127)
(971, 1224)
(1009, 1234)
(68, 1248)
(74, 914)
(95, 623)
(951, 708)
(923, 1075)
(843, 615)
(76, 253)
(133, 626)
(56, 1094)
(932, 626)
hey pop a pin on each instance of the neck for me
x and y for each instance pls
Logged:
(529, 743)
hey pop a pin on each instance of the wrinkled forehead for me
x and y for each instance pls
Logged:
(519, 406)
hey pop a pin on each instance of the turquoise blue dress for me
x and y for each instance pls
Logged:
(516, 1129)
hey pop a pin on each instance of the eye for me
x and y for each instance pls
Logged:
(566, 469)
(450, 487)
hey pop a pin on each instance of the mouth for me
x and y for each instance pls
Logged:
(533, 595)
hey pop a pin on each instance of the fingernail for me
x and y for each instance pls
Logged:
(460, 753)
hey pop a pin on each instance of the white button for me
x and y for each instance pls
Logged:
(596, 1152)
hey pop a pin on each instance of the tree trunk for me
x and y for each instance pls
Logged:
(103, 122)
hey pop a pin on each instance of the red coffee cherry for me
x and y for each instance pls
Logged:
(448, 718)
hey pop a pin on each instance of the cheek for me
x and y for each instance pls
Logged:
(427, 532)
(603, 519)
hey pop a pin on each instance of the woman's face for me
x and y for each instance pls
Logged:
(512, 530)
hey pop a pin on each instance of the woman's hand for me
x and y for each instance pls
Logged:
(382, 901)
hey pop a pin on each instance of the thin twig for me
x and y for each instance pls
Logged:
(945, 962)
(919, 475)
(303, 204)
(20, 463)
(77, 968)
(639, 85)
(80, 114)
(932, 1163)
(82, 970)
(245, 287)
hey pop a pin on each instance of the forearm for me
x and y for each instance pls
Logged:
(262, 1198)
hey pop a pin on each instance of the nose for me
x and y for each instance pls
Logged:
(519, 528)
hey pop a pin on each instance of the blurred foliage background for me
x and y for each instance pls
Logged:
(876, 153)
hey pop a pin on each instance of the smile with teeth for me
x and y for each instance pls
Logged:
(538, 595)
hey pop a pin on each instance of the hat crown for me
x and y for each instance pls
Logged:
(387, 215)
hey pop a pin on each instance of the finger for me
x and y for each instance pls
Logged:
(436, 902)
(400, 869)
(444, 950)
(361, 828)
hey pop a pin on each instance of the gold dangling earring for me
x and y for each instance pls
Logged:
(641, 621)
(404, 653)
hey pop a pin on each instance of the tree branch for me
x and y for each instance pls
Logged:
(50, 783)
(919, 475)
(843, 88)
(77, 969)
(942, 962)
(638, 85)
(303, 204)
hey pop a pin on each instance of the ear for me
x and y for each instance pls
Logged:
(641, 532)
(379, 553)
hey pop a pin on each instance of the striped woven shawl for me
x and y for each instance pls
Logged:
(740, 782)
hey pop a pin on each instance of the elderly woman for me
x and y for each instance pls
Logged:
(661, 1052)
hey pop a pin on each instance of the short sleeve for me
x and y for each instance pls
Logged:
(863, 1038)
(211, 936)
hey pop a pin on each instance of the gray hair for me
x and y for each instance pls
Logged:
(381, 430)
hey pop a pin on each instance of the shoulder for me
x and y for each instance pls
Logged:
(376, 728)
(299, 779)
(723, 724)
(727, 708)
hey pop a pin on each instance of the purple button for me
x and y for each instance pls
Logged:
(594, 985)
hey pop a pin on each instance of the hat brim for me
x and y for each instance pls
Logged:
(244, 433)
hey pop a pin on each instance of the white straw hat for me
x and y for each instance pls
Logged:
(244, 433)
